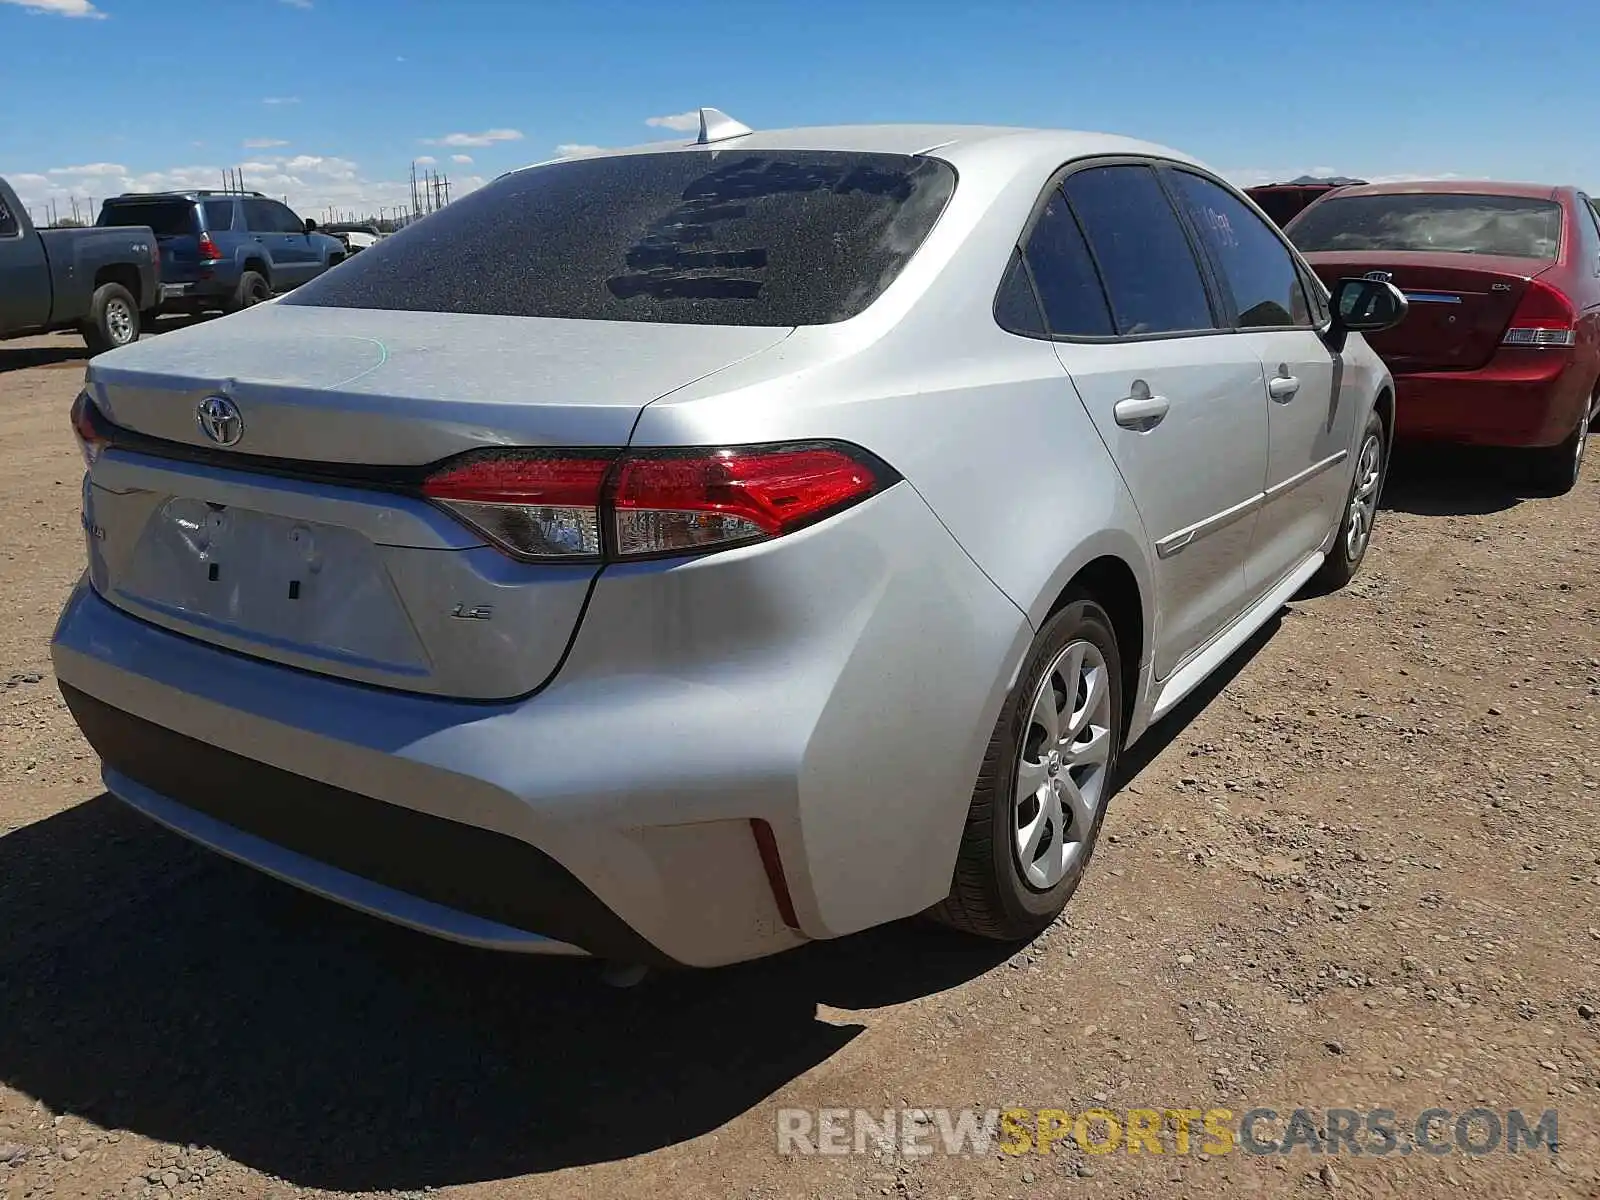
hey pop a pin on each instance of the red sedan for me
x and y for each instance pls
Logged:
(1501, 346)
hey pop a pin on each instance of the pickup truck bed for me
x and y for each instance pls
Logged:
(97, 281)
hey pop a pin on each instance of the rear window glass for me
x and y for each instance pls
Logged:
(1515, 226)
(219, 215)
(169, 218)
(725, 237)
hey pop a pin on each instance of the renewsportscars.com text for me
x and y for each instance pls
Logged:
(1376, 1132)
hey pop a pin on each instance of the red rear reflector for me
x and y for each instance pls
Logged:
(1545, 317)
(772, 864)
(544, 505)
(674, 503)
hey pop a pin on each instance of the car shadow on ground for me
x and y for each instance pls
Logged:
(1455, 481)
(68, 353)
(152, 987)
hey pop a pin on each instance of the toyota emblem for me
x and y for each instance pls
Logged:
(220, 420)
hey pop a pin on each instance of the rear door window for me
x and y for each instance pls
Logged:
(1254, 263)
(1016, 308)
(219, 215)
(1440, 222)
(9, 225)
(260, 216)
(727, 236)
(1069, 287)
(1143, 252)
(168, 218)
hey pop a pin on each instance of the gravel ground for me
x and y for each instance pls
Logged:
(1360, 871)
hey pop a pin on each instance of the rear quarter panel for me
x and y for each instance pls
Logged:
(78, 256)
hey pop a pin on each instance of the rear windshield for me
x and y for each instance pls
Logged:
(169, 218)
(724, 237)
(1515, 226)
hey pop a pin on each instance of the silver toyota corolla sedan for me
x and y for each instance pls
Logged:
(683, 553)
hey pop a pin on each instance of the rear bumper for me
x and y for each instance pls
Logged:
(612, 811)
(190, 292)
(1523, 398)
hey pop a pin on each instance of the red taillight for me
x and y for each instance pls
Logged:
(1545, 317)
(574, 505)
(672, 504)
(533, 505)
(208, 249)
(91, 439)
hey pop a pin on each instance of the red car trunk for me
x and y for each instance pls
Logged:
(1461, 304)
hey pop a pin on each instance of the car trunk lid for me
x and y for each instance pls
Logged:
(307, 541)
(1460, 304)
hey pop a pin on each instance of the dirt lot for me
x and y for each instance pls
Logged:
(1360, 872)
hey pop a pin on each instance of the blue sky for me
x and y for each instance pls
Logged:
(330, 101)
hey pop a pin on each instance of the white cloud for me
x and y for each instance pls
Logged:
(91, 169)
(425, 160)
(458, 158)
(686, 122)
(487, 138)
(280, 100)
(263, 143)
(578, 150)
(297, 3)
(310, 182)
(60, 8)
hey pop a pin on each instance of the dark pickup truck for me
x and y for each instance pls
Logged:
(97, 281)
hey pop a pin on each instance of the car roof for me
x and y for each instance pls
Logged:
(199, 194)
(1455, 187)
(1019, 146)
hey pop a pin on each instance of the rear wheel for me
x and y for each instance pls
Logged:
(113, 319)
(1555, 470)
(1044, 784)
(252, 290)
(1360, 511)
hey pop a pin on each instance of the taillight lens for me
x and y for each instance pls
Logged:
(675, 504)
(208, 249)
(1545, 317)
(575, 505)
(86, 428)
(532, 505)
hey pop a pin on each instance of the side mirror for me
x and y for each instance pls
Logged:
(1366, 306)
(311, 226)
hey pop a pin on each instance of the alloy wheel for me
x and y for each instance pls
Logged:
(1061, 772)
(1364, 497)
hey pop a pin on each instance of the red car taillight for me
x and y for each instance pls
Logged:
(208, 249)
(569, 506)
(86, 428)
(1544, 318)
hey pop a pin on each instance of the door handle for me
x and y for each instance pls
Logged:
(1283, 388)
(1141, 413)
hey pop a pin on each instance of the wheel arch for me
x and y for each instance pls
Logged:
(1114, 575)
(127, 275)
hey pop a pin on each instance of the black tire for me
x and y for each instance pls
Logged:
(989, 895)
(113, 319)
(1344, 558)
(252, 289)
(1554, 470)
